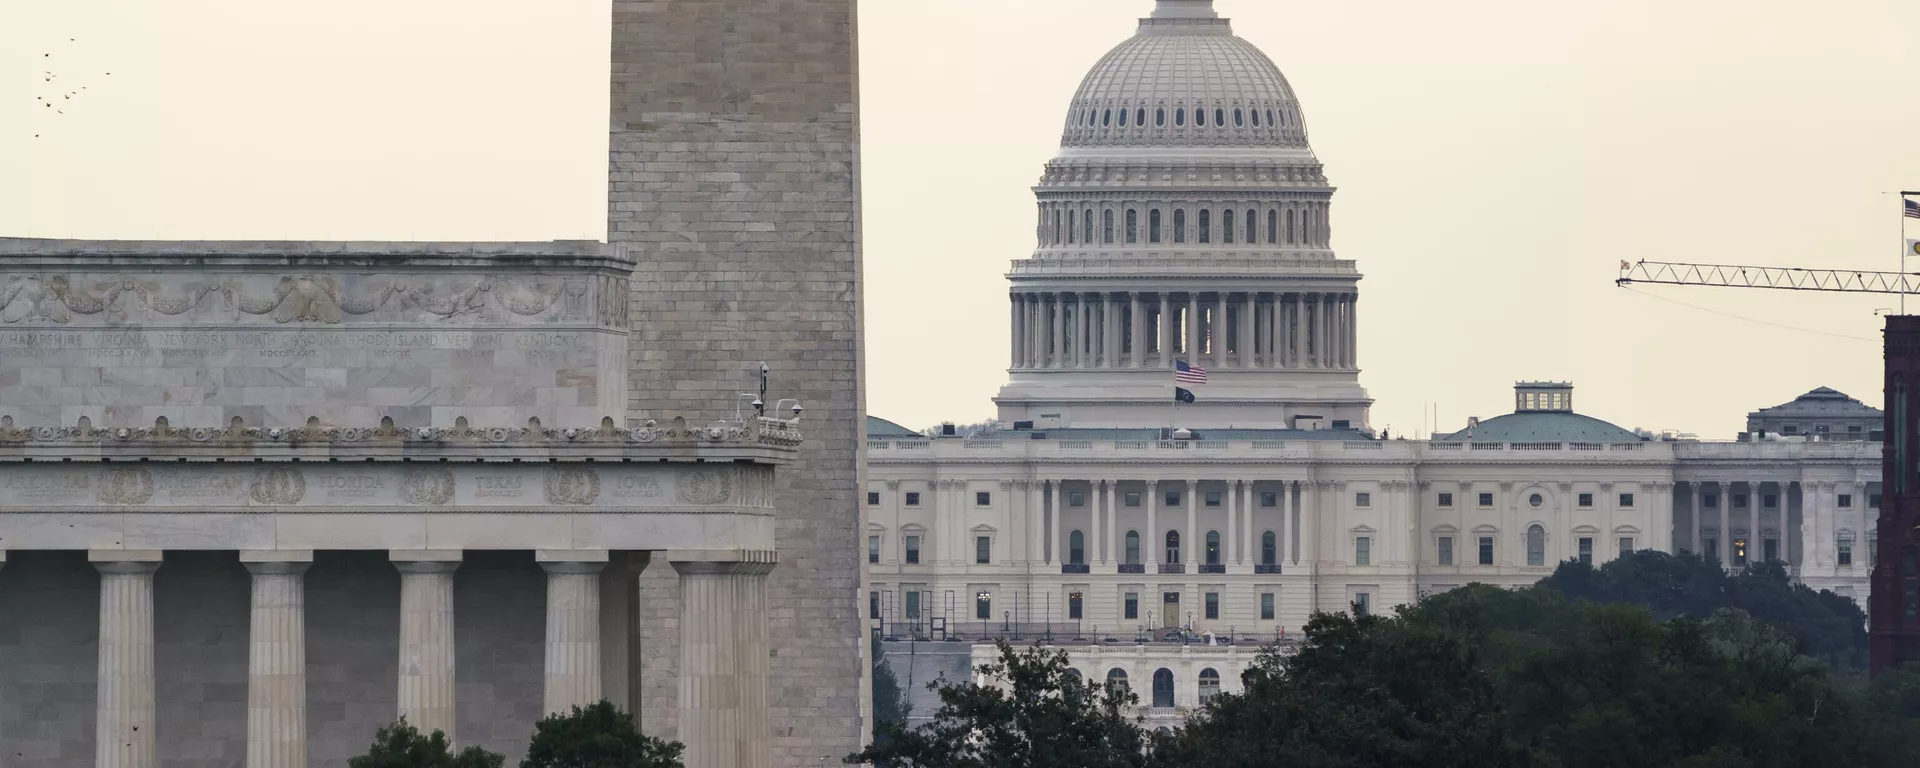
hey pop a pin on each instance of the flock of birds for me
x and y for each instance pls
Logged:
(47, 98)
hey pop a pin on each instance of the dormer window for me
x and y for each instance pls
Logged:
(1543, 397)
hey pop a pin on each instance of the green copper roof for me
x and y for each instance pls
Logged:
(879, 427)
(1543, 427)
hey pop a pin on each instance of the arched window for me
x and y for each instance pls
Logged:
(1093, 117)
(1073, 673)
(1086, 226)
(1219, 117)
(1536, 545)
(1200, 118)
(1179, 226)
(1133, 547)
(1269, 548)
(1163, 687)
(1256, 117)
(1239, 118)
(1117, 678)
(1179, 117)
(1251, 236)
(1226, 227)
(1133, 226)
(1140, 117)
(1209, 685)
(1076, 548)
(1056, 227)
(1106, 226)
(1160, 117)
(1106, 118)
(1213, 547)
(1123, 118)
(1293, 220)
(1070, 226)
(1206, 226)
(1273, 226)
(1153, 226)
(1173, 547)
(1270, 120)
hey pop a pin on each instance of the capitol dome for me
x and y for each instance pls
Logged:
(1185, 79)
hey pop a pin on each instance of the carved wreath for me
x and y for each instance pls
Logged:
(572, 486)
(704, 486)
(278, 485)
(427, 486)
(127, 486)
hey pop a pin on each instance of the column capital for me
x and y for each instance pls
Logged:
(134, 561)
(586, 556)
(723, 561)
(272, 561)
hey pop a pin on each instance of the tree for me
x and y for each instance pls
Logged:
(1366, 691)
(1034, 713)
(401, 745)
(599, 736)
(890, 705)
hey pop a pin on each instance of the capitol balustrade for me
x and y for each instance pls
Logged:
(1015, 449)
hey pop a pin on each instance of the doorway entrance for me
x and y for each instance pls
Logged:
(1169, 609)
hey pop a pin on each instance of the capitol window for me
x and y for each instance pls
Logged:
(1226, 227)
(1173, 498)
(1362, 550)
(1362, 603)
(983, 605)
(1239, 118)
(983, 550)
(1132, 498)
(1446, 500)
(1256, 117)
(1250, 220)
(1140, 117)
(1534, 501)
(913, 498)
(1179, 117)
(1123, 118)
(982, 498)
(1153, 226)
(1173, 548)
(1213, 498)
(1200, 118)
(1106, 226)
(1269, 499)
(1626, 501)
(913, 550)
(1626, 546)
(1206, 226)
(1074, 603)
(1213, 547)
(1445, 550)
(1077, 499)
(1363, 499)
(1160, 117)
(1845, 501)
(1086, 226)
(1070, 227)
(1846, 553)
(1486, 550)
(1586, 500)
(1133, 226)
(1266, 606)
(1536, 545)
(1213, 605)
(1076, 548)
(1131, 606)
(1220, 117)
(1270, 120)
(1586, 550)
(1486, 499)
(873, 549)
(1179, 226)
(1269, 549)
(1106, 118)
(1133, 548)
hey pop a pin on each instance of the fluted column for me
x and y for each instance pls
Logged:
(1036, 522)
(1753, 521)
(1298, 357)
(426, 638)
(1191, 537)
(1113, 522)
(1153, 541)
(1080, 326)
(1093, 528)
(1013, 330)
(1191, 350)
(277, 659)
(1168, 327)
(1286, 540)
(1137, 347)
(1057, 346)
(1217, 331)
(1036, 332)
(573, 627)
(724, 668)
(1249, 335)
(1057, 555)
(1233, 523)
(1353, 330)
(123, 707)
(1723, 541)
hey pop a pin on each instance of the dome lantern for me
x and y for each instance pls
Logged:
(1185, 9)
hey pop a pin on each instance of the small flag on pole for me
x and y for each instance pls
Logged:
(1912, 209)
(1182, 395)
(1188, 374)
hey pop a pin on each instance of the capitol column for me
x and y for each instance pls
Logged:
(1233, 524)
(1013, 326)
(1723, 541)
(1217, 331)
(1093, 527)
(124, 706)
(1109, 331)
(1167, 326)
(1113, 522)
(1153, 538)
(1192, 535)
(1137, 349)
(1753, 521)
(1036, 352)
(1191, 351)
(426, 638)
(1082, 327)
(1036, 511)
(1056, 555)
(277, 659)
(1249, 335)
(1353, 330)
(1297, 357)
(724, 667)
(573, 627)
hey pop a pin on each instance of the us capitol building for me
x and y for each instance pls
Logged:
(1186, 219)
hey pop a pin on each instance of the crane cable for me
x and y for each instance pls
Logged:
(1748, 319)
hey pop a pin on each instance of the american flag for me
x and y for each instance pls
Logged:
(1912, 209)
(1188, 374)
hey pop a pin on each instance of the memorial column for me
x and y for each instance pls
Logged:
(277, 659)
(573, 627)
(724, 669)
(124, 707)
(426, 638)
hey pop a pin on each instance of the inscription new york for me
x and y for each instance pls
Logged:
(210, 487)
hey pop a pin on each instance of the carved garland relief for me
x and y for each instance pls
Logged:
(311, 298)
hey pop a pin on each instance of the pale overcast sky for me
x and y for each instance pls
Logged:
(1495, 159)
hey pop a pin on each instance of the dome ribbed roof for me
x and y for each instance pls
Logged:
(1185, 79)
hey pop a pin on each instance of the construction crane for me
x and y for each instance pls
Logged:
(1893, 607)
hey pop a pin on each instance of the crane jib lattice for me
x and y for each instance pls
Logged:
(1784, 278)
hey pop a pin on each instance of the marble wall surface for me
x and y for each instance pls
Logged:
(124, 333)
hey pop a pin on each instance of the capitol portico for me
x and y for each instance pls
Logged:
(1186, 219)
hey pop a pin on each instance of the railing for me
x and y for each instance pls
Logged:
(1132, 568)
(1444, 446)
(1213, 568)
(1212, 445)
(1534, 446)
(1075, 568)
(1173, 568)
(1132, 445)
(1488, 446)
(1075, 445)
(983, 445)
(1586, 446)
(1265, 570)
(1367, 446)
(1269, 445)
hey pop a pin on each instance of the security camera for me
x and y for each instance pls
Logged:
(759, 403)
(797, 409)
